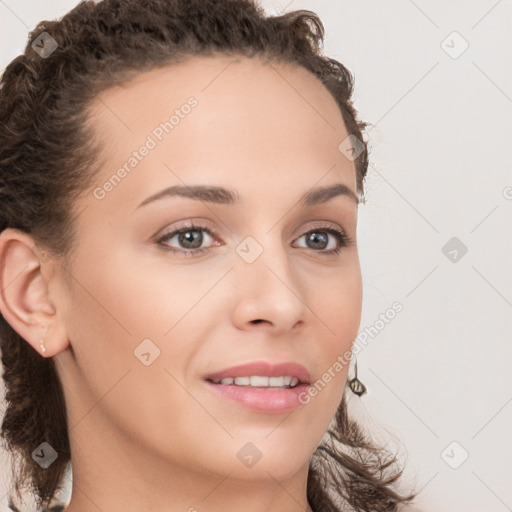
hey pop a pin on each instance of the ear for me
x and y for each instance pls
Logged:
(25, 301)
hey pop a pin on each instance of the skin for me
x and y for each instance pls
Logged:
(155, 437)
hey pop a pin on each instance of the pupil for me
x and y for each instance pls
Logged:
(316, 237)
(196, 239)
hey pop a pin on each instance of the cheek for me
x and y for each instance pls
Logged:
(115, 306)
(340, 311)
(336, 298)
(113, 309)
(137, 299)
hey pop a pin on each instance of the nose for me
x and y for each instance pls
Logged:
(268, 294)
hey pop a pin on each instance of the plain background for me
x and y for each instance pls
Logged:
(438, 374)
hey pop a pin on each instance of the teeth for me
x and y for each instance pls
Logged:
(259, 381)
(274, 381)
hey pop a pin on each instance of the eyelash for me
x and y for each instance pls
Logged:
(341, 236)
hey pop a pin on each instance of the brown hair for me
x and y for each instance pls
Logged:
(49, 156)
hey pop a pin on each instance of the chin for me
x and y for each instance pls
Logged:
(272, 466)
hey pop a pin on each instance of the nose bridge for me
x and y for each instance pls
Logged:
(268, 289)
(261, 256)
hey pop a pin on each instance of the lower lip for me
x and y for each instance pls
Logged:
(264, 399)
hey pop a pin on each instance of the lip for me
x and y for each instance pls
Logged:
(262, 399)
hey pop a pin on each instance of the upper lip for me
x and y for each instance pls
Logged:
(264, 369)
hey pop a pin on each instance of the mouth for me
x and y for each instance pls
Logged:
(262, 386)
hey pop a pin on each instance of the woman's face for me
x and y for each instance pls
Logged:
(148, 319)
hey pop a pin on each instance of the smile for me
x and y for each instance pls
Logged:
(261, 386)
(259, 381)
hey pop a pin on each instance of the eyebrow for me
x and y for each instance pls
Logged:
(220, 195)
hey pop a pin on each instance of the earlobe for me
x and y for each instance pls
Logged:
(24, 294)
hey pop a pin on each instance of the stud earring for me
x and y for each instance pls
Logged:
(357, 387)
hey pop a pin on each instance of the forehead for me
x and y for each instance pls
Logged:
(221, 81)
(249, 118)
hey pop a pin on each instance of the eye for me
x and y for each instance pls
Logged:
(318, 239)
(189, 238)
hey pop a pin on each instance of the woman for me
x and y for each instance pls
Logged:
(179, 270)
